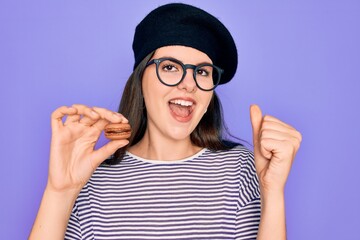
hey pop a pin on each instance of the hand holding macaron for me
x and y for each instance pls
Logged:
(73, 158)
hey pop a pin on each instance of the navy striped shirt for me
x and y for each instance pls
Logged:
(211, 195)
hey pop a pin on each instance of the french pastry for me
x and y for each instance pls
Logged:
(117, 131)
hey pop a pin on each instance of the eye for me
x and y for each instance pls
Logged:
(169, 67)
(202, 72)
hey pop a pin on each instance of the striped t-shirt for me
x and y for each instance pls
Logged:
(211, 195)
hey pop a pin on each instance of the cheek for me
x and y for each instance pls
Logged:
(146, 85)
(207, 99)
(150, 88)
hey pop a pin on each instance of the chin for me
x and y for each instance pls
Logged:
(180, 134)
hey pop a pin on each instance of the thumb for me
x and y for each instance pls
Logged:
(256, 122)
(105, 151)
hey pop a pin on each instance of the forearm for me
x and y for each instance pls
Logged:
(272, 223)
(53, 215)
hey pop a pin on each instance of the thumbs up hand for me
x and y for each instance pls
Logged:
(275, 147)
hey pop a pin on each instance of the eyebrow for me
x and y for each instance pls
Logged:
(167, 56)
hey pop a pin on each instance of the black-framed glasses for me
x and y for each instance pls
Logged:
(171, 72)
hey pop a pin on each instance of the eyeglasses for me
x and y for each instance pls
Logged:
(171, 72)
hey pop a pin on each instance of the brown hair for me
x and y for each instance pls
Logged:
(208, 133)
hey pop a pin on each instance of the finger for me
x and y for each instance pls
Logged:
(59, 113)
(267, 148)
(277, 135)
(256, 122)
(80, 108)
(89, 116)
(100, 124)
(268, 118)
(72, 119)
(106, 117)
(275, 126)
(104, 152)
(281, 127)
(113, 117)
(279, 150)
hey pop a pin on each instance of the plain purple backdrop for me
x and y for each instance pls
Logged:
(299, 60)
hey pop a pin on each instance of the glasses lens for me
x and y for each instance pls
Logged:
(170, 72)
(207, 76)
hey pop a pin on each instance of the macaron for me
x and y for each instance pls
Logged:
(117, 131)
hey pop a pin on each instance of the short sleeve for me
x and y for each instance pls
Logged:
(249, 204)
(249, 183)
(73, 230)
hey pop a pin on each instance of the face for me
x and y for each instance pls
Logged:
(174, 112)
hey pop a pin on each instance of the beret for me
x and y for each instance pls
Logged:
(186, 25)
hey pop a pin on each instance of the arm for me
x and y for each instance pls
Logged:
(72, 162)
(272, 219)
(53, 215)
(275, 147)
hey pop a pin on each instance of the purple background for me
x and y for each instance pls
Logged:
(299, 60)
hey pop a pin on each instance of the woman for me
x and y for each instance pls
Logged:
(176, 178)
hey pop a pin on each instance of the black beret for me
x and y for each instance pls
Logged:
(186, 25)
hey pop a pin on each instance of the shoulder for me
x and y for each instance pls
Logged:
(237, 157)
(237, 151)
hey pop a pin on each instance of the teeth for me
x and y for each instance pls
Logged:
(182, 102)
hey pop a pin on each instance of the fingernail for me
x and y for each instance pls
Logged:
(117, 115)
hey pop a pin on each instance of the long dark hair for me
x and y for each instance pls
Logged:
(208, 133)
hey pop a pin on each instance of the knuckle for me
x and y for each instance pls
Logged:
(76, 105)
(291, 146)
(264, 133)
(265, 125)
(270, 125)
(54, 114)
(263, 141)
(297, 135)
(99, 110)
(300, 137)
(266, 117)
(58, 112)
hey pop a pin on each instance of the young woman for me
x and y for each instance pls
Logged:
(176, 177)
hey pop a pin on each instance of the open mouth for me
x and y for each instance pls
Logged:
(181, 108)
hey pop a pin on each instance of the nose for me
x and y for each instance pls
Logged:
(188, 83)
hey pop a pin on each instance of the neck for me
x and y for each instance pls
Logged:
(151, 147)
